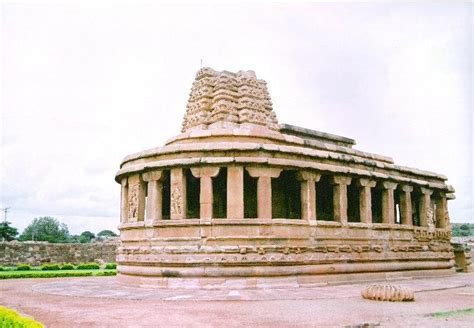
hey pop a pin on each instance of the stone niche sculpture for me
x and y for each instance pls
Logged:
(239, 200)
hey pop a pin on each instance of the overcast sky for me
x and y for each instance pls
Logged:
(83, 86)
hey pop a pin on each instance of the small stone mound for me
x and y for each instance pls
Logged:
(392, 293)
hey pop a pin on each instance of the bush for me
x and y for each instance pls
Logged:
(88, 266)
(67, 266)
(23, 267)
(44, 274)
(11, 318)
(2, 268)
(105, 273)
(49, 267)
(111, 266)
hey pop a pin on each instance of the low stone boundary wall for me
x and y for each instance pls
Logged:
(462, 256)
(37, 253)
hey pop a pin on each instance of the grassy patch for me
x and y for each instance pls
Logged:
(11, 318)
(55, 273)
(454, 313)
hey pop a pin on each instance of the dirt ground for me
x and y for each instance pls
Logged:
(100, 302)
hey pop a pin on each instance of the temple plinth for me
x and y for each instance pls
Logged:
(238, 199)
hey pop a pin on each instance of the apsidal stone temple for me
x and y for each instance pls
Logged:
(239, 200)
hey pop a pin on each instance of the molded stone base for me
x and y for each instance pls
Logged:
(275, 282)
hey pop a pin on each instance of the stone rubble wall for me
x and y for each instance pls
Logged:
(37, 253)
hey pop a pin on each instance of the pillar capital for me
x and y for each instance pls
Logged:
(426, 191)
(363, 182)
(406, 188)
(264, 172)
(152, 176)
(389, 185)
(341, 180)
(308, 176)
(207, 171)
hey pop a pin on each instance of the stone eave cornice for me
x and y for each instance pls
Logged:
(277, 162)
(195, 154)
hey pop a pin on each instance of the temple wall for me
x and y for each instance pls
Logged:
(37, 253)
(250, 198)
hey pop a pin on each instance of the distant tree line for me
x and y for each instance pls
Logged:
(462, 229)
(49, 229)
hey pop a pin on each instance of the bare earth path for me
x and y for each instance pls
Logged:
(100, 302)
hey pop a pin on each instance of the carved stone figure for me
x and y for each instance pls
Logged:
(430, 219)
(133, 201)
(176, 201)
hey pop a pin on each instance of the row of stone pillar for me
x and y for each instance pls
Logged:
(135, 189)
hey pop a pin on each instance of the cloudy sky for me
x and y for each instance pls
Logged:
(85, 85)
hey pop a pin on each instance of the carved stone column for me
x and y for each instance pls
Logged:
(308, 194)
(178, 194)
(155, 195)
(206, 197)
(388, 202)
(235, 192)
(124, 201)
(441, 209)
(365, 205)
(340, 197)
(136, 198)
(264, 189)
(406, 213)
(425, 206)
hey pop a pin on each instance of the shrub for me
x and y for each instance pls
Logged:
(111, 266)
(88, 266)
(2, 268)
(105, 273)
(11, 318)
(44, 274)
(49, 267)
(67, 266)
(23, 267)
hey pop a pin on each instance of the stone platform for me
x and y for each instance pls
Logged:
(100, 302)
(111, 288)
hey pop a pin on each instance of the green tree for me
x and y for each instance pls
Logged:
(107, 233)
(464, 227)
(86, 237)
(7, 232)
(46, 229)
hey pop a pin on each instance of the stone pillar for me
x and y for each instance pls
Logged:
(365, 200)
(124, 201)
(388, 202)
(178, 194)
(340, 197)
(136, 198)
(406, 213)
(308, 194)
(264, 189)
(205, 175)
(155, 195)
(441, 209)
(425, 206)
(235, 192)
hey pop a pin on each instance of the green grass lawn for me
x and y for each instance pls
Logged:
(35, 273)
(454, 313)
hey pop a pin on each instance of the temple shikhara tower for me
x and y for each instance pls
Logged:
(238, 199)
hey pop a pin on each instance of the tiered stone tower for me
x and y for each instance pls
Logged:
(239, 200)
(225, 99)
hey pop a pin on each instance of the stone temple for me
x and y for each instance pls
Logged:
(239, 200)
